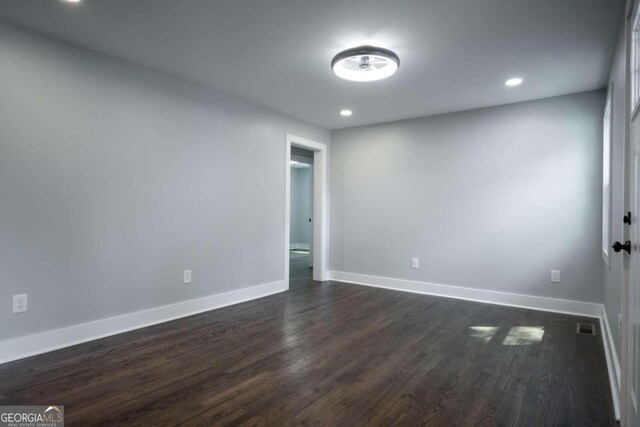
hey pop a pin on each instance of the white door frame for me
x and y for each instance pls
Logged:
(320, 221)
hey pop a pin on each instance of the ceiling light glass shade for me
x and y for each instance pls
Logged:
(346, 113)
(365, 64)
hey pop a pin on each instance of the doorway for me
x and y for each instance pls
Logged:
(305, 212)
(301, 218)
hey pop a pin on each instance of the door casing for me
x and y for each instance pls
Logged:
(320, 240)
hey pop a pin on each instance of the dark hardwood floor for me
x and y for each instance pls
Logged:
(300, 274)
(330, 354)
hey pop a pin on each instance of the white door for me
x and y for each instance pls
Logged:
(633, 330)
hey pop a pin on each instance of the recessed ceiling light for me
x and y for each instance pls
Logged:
(365, 63)
(72, 1)
(346, 113)
(513, 82)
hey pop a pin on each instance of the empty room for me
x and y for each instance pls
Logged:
(327, 213)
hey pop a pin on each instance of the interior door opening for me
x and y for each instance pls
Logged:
(306, 217)
(301, 218)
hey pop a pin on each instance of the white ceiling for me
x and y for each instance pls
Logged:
(454, 54)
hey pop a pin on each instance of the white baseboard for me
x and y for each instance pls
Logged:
(42, 342)
(613, 363)
(580, 308)
(299, 246)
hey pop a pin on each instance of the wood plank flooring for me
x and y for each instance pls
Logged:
(330, 354)
(300, 274)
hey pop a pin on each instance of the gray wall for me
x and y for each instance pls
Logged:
(491, 198)
(612, 296)
(301, 205)
(114, 179)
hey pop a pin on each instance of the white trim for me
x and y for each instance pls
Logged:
(613, 363)
(42, 342)
(298, 246)
(607, 176)
(579, 308)
(320, 204)
(634, 63)
(287, 209)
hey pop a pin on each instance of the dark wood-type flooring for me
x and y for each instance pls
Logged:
(300, 274)
(330, 354)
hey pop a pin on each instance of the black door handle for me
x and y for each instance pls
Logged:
(617, 246)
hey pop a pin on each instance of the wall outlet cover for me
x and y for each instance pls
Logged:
(555, 276)
(20, 303)
(415, 263)
(187, 276)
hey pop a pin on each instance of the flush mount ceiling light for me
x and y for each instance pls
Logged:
(365, 63)
(513, 82)
(346, 113)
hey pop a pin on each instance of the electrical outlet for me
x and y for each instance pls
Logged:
(187, 276)
(415, 263)
(555, 276)
(20, 303)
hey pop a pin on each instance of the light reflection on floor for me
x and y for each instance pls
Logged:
(524, 335)
(517, 335)
(483, 333)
